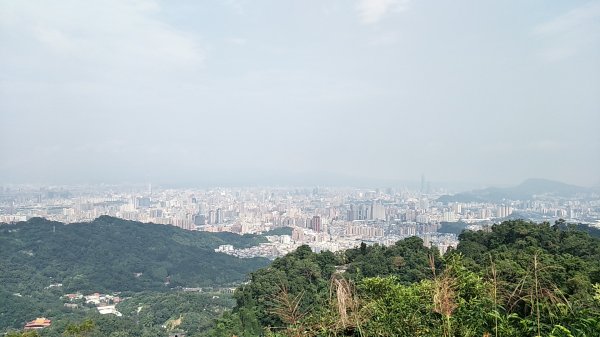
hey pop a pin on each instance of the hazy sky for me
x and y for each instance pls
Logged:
(487, 92)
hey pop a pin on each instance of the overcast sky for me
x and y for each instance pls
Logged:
(485, 92)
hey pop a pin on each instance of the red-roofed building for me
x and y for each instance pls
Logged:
(38, 323)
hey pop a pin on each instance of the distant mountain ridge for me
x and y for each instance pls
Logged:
(526, 190)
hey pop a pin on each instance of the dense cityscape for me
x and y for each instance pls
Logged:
(330, 219)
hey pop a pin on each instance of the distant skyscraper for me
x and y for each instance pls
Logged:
(457, 208)
(364, 212)
(202, 208)
(377, 211)
(199, 220)
(315, 223)
(142, 202)
(503, 211)
(219, 216)
(423, 183)
(352, 213)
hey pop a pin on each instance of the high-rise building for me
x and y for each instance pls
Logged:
(503, 211)
(315, 223)
(448, 216)
(199, 219)
(457, 208)
(202, 208)
(377, 211)
(142, 202)
(359, 212)
(219, 216)
(352, 213)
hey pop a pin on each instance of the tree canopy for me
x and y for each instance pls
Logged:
(517, 279)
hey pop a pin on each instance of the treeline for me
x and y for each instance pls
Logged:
(279, 231)
(147, 314)
(517, 279)
(107, 255)
(110, 254)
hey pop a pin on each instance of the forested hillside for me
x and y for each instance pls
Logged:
(111, 254)
(42, 260)
(518, 279)
(146, 314)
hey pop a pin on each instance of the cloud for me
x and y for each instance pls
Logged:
(236, 6)
(570, 33)
(372, 11)
(571, 21)
(93, 40)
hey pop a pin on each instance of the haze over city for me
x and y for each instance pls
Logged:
(272, 92)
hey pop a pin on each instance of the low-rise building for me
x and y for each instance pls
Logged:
(38, 323)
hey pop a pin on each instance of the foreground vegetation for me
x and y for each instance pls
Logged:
(516, 279)
(42, 260)
(148, 314)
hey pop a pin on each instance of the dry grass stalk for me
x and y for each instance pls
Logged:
(495, 293)
(347, 305)
(287, 307)
(444, 295)
(432, 265)
(344, 299)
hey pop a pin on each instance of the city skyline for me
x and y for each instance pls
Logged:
(366, 92)
(324, 218)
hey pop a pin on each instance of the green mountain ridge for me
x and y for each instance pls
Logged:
(110, 254)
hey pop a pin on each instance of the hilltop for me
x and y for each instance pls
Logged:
(110, 254)
(517, 278)
(524, 191)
